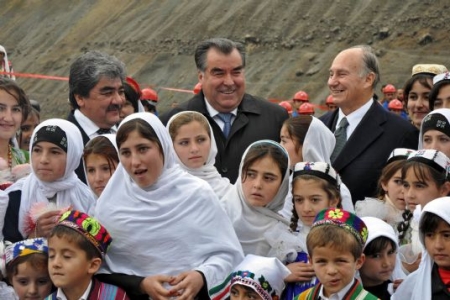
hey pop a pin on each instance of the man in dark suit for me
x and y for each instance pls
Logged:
(237, 119)
(369, 133)
(96, 93)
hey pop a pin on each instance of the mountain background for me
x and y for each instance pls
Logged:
(290, 44)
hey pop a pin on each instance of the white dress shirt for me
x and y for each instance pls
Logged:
(214, 114)
(354, 118)
(61, 296)
(88, 126)
(339, 295)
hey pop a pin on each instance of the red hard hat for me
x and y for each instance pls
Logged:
(306, 108)
(329, 100)
(302, 96)
(149, 94)
(197, 88)
(389, 88)
(286, 106)
(395, 104)
(133, 84)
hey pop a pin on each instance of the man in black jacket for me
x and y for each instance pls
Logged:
(237, 119)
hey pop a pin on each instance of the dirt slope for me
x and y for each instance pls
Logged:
(290, 43)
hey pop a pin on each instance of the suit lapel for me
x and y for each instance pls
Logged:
(367, 131)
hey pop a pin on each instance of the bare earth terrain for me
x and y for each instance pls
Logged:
(290, 43)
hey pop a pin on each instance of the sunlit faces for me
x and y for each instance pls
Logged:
(48, 161)
(26, 130)
(378, 267)
(31, 282)
(261, 182)
(295, 156)
(418, 106)
(310, 198)
(437, 244)
(69, 266)
(334, 268)
(192, 144)
(422, 190)
(443, 97)
(142, 159)
(394, 189)
(99, 171)
(437, 140)
(10, 115)
(241, 292)
(223, 81)
(104, 102)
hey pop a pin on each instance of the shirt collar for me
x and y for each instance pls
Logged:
(88, 126)
(356, 116)
(213, 112)
(61, 296)
(337, 296)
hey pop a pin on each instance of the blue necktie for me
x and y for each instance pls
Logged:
(226, 119)
(341, 138)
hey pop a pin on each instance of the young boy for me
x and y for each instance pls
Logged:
(335, 246)
(432, 278)
(77, 246)
(256, 277)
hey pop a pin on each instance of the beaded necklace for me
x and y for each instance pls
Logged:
(10, 157)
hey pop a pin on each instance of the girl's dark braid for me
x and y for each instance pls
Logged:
(294, 219)
(403, 226)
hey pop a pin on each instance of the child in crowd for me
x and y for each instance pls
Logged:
(381, 272)
(77, 246)
(435, 131)
(335, 246)
(26, 269)
(431, 280)
(36, 201)
(100, 161)
(390, 204)
(256, 277)
(196, 148)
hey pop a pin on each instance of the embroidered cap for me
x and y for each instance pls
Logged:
(88, 227)
(24, 248)
(52, 134)
(264, 275)
(433, 158)
(440, 77)
(432, 69)
(436, 121)
(399, 154)
(319, 169)
(344, 219)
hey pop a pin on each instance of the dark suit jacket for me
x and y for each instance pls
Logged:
(80, 170)
(256, 119)
(366, 151)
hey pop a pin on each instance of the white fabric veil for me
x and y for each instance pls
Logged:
(443, 111)
(6, 62)
(174, 225)
(208, 171)
(318, 145)
(70, 190)
(250, 223)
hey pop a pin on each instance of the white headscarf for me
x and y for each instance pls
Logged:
(318, 145)
(5, 63)
(172, 226)
(417, 285)
(249, 222)
(70, 190)
(443, 111)
(208, 171)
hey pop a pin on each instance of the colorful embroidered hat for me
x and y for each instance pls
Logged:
(88, 227)
(433, 158)
(398, 154)
(344, 219)
(264, 275)
(24, 248)
(440, 77)
(319, 169)
(432, 69)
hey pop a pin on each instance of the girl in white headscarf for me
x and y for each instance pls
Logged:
(254, 201)
(306, 138)
(435, 131)
(5, 64)
(168, 227)
(432, 278)
(36, 201)
(196, 148)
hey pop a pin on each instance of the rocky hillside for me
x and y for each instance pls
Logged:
(290, 43)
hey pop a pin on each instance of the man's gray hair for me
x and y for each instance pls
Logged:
(87, 70)
(222, 45)
(370, 63)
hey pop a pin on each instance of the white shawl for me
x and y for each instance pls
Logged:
(417, 285)
(5, 64)
(443, 111)
(70, 190)
(174, 225)
(208, 171)
(318, 145)
(249, 222)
